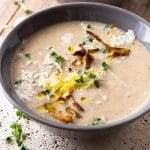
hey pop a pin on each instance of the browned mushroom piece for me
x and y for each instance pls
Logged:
(75, 103)
(61, 99)
(80, 52)
(88, 60)
(113, 50)
(77, 62)
(65, 118)
(98, 38)
(91, 51)
(119, 52)
(73, 112)
(57, 114)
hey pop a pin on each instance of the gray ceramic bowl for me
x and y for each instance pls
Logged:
(72, 11)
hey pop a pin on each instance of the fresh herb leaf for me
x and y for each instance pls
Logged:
(57, 58)
(96, 121)
(92, 76)
(27, 55)
(18, 82)
(108, 27)
(18, 134)
(82, 44)
(22, 115)
(90, 39)
(97, 83)
(80, 80)
(8, 140)
(25, 9)
(15, 2)
(105, 65)
(46, 92)
(104, 50)
(89, 26)
(70, 69)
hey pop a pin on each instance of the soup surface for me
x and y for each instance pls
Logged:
(86, 73)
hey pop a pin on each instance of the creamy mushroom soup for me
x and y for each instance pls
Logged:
(85, 73)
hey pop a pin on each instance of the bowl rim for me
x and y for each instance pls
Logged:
(55, 124)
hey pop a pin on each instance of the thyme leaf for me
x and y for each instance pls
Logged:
(108, 27)
(105, 66)
(22, 115)
(97, 121)
(8, 140)
(56, 57)
(80, 80)
(25, 9)
(18, 82)
(18, 135)
(28, 55)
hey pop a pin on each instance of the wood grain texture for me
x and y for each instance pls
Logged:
(9, 12)
(8, 9)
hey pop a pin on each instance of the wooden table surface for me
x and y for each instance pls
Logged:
(10, 12)
(137, 135)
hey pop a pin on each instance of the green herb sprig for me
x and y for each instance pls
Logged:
(56, 57)
(96, 121)
(25, 9)
(80, 80)
(90, 39)
(96, 81)
(105, 66)
(107, 27)
(104, 50)
(82, 44)
(18, 134)
(89, 27)
(45, 92)
(21, 115)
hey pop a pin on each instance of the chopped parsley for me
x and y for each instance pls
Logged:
(97, 83)
(105, 66)
(89, 26)
(45, 92)
(80, 80)
(9, 140)
(97, 121)
(92, 75)
(18, 135)
(104, 50)
(90, 39)
(82, 44)
(28, 55)
(108, 27)
(22, 115)
(70, 69)
(56, 57)
(18, 82)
